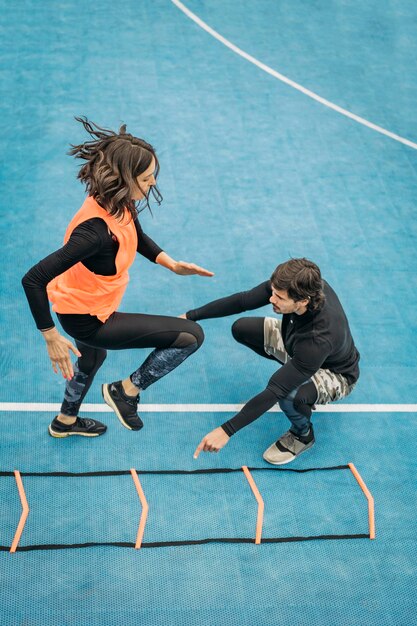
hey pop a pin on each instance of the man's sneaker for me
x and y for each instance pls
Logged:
(83, 427)
(288, 447)
(124, 406)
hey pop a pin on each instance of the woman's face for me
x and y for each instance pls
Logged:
(144, 182)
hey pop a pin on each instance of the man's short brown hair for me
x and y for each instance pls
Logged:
(301, 279)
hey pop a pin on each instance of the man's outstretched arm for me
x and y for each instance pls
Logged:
(236, 303)
(281, 383)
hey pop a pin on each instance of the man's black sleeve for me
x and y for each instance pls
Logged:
(253, 409)
(306, 361)
(146, 246)
(236, 303)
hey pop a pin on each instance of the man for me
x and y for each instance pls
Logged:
(312, 342)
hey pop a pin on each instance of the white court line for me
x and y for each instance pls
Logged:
(290, 82)
(208, 408)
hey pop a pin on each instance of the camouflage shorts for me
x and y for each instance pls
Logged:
(273, 342)
(330, 386)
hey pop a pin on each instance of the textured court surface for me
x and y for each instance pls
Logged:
(252, 171)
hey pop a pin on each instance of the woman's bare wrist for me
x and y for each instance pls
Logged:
(166, 261)
(50, 334)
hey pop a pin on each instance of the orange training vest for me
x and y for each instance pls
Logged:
(78, 290)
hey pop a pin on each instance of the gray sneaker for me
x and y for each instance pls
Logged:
(288, 447)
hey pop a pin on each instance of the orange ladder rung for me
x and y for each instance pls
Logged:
(260, 516)
(25, 512)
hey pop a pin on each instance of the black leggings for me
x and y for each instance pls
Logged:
(174, 339)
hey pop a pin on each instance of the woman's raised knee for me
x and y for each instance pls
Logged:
(198, 333)
(193, 334)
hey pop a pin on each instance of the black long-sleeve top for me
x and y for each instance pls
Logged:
(314, 340)
(96, 247)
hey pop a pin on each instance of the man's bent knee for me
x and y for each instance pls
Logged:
(239, 328)
(305, 398)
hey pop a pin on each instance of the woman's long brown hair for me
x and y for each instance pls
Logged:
(113, 163)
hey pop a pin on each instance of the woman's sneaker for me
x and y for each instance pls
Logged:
(83, 427)
(124, 406)
(288, 447)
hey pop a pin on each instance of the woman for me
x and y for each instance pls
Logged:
(86, 278)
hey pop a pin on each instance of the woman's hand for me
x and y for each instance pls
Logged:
(187, 269)
(180, 267)
(213, 442)
(59, 352)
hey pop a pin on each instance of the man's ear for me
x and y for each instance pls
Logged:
(304, 302)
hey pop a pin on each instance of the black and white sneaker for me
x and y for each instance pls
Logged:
(288, 447)
(82, 427)
(125, 407)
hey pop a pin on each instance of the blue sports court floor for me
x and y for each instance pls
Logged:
(253, 170)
